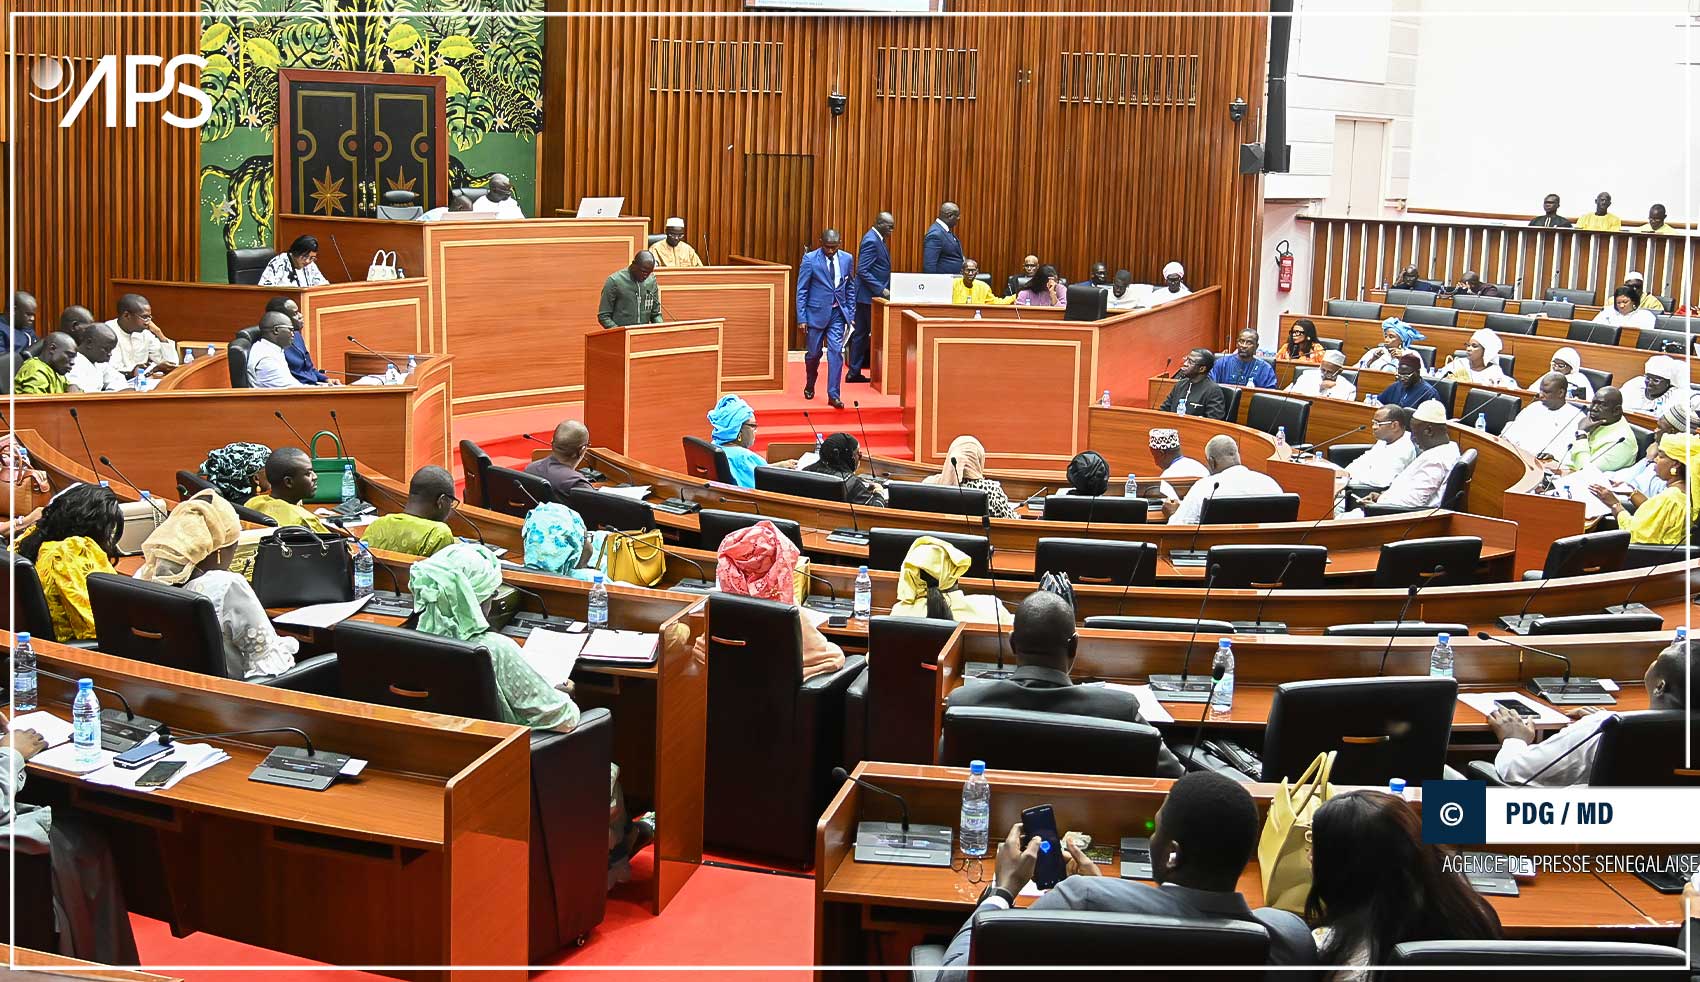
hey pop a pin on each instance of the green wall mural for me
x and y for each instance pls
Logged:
(493, 66)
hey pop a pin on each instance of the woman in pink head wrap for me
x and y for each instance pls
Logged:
(759, 561)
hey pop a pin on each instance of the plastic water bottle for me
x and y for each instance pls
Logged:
(23, 673)
(972, 836)
(1372, 399)
(1131, 488)
(1481, 422)
(1281, 440)
(363, 565)
(391, 376)
(211, 350)
(1681, 635)
(1104, 400)
(597, 608)
(977, 315)
(863, 607)
(1396, 787)
(1440, 659)
(412, 365)
(85, 723)
(140, 382)
(153, 509)
(188, 355)
(1222, 700)
(349, 491)
(818, 442)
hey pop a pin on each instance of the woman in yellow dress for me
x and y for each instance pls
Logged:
(77, 535)
(1663, 519)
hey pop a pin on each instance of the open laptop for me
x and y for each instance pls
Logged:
(921, 287)
(600, 207)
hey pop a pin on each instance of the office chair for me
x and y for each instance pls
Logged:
(705, 461)
(1363, 309)
(244, 266)
(514, 492)
(1548, 959)
(715, 526)
(1022, 740)
(1447, 390)
(1250, 509)
(1497, 408)
(773, 737)
(1581, 555)
(1580, 298)
(1411, 298)
(1259, 567)
(1103, 509)
(1492, 305)
(888, 546)
(475, 464)
(1431, 316)
(188, 483)
(1085, 302)
(400, 206)
(1231, 401)
(1643, 749)
(236, 355)
(36, 920)
(1332, 344)
(1675, 342)
(1596, 378)
(471, 194)
(601, 509)
(1643, 439)
(14, 360)
(1161, 625)
(1269, 412)
(1401, 629)
(1509, 323)
(1426, 352)
(1382, 728)
(1411, 562)
(1643, 555)
(1084, 938)
(1101, 561)
(1597, 624)
(1676, 324)
(914, 496)
(1593, 332)
(800, 484)
(1556, 309)
(889, 707)
(1341, 454)
(411, 670)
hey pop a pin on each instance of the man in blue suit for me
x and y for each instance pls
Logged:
(873, 279)
(942, 251)
(826, 296)
(17, 337)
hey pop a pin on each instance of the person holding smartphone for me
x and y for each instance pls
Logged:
(1206, 832)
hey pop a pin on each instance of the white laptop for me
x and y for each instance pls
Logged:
(921, 287)
(600, 207)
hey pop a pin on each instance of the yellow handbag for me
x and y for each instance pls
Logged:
(1281, 856)
(800, 580)
(634, 557)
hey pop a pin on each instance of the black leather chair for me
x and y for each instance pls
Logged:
(9, 369)
(475, 463)
(400, 206)
(717, 525)
(1497, 408)
(244, 266)
(1580, 298)
(600, 509)
(1643, 749)
(914, 496)
(1364, 309)
(1269, 412)
(189, 483)
(1250, 509)
(1447, 390)
(1545, 959)
(1650, 339)
(800, 484)
(1231, 401)
(514, 492)
(1382, 728)
(1332, 344)
(1085, 302)
(1411, 298)
(773, 738)
(1260, 567)
(1103, 509)
(1453, 496)
(1100, 561)
(1580, 555)
(1492, 305)
(1084, 938)
(888, 546)
(705, 461)
(30, 603)
(1593, 332)
(236, 357)
(1403, 629)
(1426, 353)
(1562, 310)
(1644, 555)
(170, 626)
(1412, 562)
(1341, 454)
(1597, 624)
(1510, 323)
(569, 771)
(1018, 740)
(1169, 625)
(1014, 284)
(1429, 316)
(473, 194)
(1675, 324)
(888, 708)
(1643, 439)
(1596, 378)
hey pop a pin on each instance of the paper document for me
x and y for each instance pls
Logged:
(353, 767)
(553, 653)
(624, 646)
(64, 758)
(636, 492)
(1486, 702)
(196, 757)
(48, 726)
(1149, 708)
(322, 615)
(1575, 487)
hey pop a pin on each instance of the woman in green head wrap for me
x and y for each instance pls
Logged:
(555, 540)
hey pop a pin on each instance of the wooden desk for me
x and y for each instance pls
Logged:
(150, 436)
(647, 382)
(755, 304)
(434, 831)
(59, 967)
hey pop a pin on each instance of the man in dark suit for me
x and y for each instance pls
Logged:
(1044, 641)
(1195, 392)
(21, 334)
(942, 250)
(826, 297)
(1205, 834)
(873, 279)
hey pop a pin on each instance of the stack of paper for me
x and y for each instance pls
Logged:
(636, 492)
(322, 615)
(1486, 702)
(196, 757)
(621, 646)
(48, 726)
(553, 653)
(1150, 709)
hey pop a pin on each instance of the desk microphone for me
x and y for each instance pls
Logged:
(1393, 635)
(388, 359)
(346, 272)
(1610, 446)
(609, 463)
(279, 414)
(833, 603)
(1218, 670)
(166, 736)
(1337, 437)
(811, 425)
(1190, 555)
(118, 732)
(961, 499)
(1133, 576)
(338, 427)
(992, 574)
(866, 451)
(1256, 626)
(852, 535)
(85, 439)
(1560, 432)
(1430, 513)
(1583, 691)
(1179, 688)
(739, 501)
(540, 442)
(152, 504)
(1038, 496)
(1520, 622)
(840, 774)
(1167, 362)
(1326, 514)
(1550, 764)
(1633, 608)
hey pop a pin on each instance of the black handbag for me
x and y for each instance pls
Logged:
(295, 567)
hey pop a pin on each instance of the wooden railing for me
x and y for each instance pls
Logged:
(1355, 255)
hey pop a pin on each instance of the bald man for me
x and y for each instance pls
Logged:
(566, 453)
(498, 201)
(419, 529)
(45, 373)
(631, 295)
(91, 370)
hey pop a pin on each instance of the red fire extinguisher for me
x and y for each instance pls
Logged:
(1284, 263)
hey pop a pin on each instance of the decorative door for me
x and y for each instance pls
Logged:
(346, 138)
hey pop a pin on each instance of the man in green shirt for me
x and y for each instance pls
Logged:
(45, 373)
(631, 296)
(1607, 442)
(419, 530)
(289, 473)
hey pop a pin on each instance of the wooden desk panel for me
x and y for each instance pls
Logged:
(1136, 344)
(885, 331)
(643, 381)
(753, 301)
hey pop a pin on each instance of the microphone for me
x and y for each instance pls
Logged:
(1326, 513)
(1038, 496)
(1582, 691)
(152, 504)
(609, 463)
(1519, 622)
(346, 273)
(1337, 437)
(1413, 523)
(546, 443)
(1218, 669)
(1256, 625)
(678, 504)
(997, 605)
(389, 359)
(117, 732)
(457, 513)
(297, 434)
(841, 775)
(1393, 635)
(165, 736)
(857, 405)
(85, 439)
(962, 493)
(811, 425)
(1166, 363)
(1132, 576)
(1179, 688)
(735, 501)
(832, 603)
(1633, 608)
(1190, 556)
(1596, 454)
(1560, 432)
(850, 536)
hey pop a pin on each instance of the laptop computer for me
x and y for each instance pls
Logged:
(921, 287)
(600, 207)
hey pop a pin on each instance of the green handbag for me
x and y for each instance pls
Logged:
(328, 469)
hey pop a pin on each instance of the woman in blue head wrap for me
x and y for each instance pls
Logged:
(733, 425)
(1396, 339)
(555, 541)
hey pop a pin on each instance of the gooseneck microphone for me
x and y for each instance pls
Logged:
(1627, 607)
(1190, 556)
(1256, 626)
(867, 454)
(1520, 622)
(1337, 437)
(841, 775)
(293, 431)
(166, 736)
(85, 439)
(1564, 691)
(1182, 688)
(626, 473)
(388, 359)
(1393, 635)
(1218, 671)
(992, 574)
(152, 503)
(346, 273)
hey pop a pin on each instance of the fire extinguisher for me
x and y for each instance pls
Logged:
(1284, 263)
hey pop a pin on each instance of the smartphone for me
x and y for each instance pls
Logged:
(1040, 822)
(1517, 706)
(141, 754)
(838, 620)
(159, 774)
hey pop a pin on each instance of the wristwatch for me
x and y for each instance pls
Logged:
(993, 890)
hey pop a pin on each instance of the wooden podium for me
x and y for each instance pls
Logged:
(646, 384)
